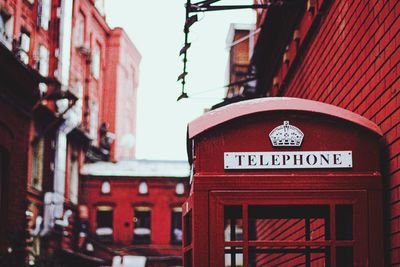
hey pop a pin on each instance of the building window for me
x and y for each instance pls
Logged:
(43, 60)
(143, 188)
(76, 110)
(6, 28)
(74, 178)
(142, 225)
(37, 164)
(80, 30)
(95, 67)
(176, 226)
(99, 5)
(44, 9)
(43, 66)
(180, 189)
(24, 46)
(105, 187)
(104, 223)
(94, 120)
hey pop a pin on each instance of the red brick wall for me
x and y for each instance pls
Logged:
(119, 104)
(116, 89)
(353, 62)
(95, 35)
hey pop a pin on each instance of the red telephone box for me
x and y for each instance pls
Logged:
(283, 182)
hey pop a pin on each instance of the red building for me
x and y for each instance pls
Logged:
(240, 41)
(123, 78)
(134, 208)
(343, 53)
(29, 33)
(55, 53)
(19, 94)
(105, 67)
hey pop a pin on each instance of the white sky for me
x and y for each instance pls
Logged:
(156, 28)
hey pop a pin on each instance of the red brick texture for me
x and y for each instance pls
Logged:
(353, 62)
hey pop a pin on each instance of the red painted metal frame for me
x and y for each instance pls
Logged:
(358, 198)
(187, 246)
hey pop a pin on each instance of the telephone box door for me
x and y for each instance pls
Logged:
(281, 228)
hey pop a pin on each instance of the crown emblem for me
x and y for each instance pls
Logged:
(286, 135)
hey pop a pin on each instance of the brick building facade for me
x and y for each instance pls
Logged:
(54, 85)
(240, 40)
(17, 85)
(122, 54)
(343, 53)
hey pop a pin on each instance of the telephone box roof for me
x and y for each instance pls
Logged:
(268, 104)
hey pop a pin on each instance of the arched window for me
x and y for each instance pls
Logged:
(106, 187)
(143, 188)
(79, 37)
(37, 164)
(44, 14)
(96, 61)
(24, 46)
(180, 189)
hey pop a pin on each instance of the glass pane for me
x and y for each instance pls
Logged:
(176, 227)
(104, 218)
(188, 228)
(290, 223)
(233, 227)
(37, 164)
(344, 222)
(344, 256)
(142, 226)
(104, 223)
(289, 256)
(233, 256)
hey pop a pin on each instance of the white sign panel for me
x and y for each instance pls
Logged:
(288, 160)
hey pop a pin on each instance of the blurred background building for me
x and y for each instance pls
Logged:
(68, 96)
(134, 208)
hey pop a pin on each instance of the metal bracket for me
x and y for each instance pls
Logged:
(205, 6)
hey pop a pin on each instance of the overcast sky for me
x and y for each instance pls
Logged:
(156, 28)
